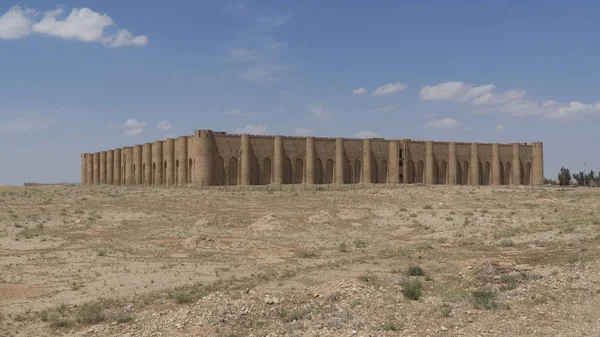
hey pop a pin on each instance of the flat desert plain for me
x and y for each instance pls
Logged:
(363, 261)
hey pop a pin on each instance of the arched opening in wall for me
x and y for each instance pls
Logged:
(401, 171)
(190, 172)
(153, 174)
(254, 172)
(176, 172)
(459, 174)
(219, 171)
(287, 171)
(420, 176)
(143, 173)
(443, 176)
(383, 173)
(347, 172)
(508, 174)
(133, 181)
(356, 172)
(488, 173)
(522, 182)
(466, 179)
(298, 171)
(528, 174)
(410, 172)
(400, 156)
(501, 174)
(165, 181)
(318, 171)
(329, 172)
(232, 174)
(123, 172)
(374, 171)
(436, 173)
(267, 179)
(481, 173)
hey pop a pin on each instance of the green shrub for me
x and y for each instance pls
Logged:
(415, 271)
(181, 297)
(484, 299)
(446, 310)
(411, 289)
(90, 313)
(122, 319)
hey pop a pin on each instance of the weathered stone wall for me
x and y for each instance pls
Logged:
(210, 158)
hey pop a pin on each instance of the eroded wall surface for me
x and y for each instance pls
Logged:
(210, 158)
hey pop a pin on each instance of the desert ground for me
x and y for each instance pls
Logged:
(300, 261)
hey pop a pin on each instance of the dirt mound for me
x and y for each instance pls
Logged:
(203, 222)
(353, 213)
(320, 217)
(265, 224)
(194, 241)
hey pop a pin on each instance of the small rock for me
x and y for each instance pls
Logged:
(270, 300)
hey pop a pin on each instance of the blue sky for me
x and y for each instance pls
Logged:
(85, 76)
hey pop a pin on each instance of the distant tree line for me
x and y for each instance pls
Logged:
(565, 178)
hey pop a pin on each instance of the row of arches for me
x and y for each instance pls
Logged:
(293, 172)
(441, 173)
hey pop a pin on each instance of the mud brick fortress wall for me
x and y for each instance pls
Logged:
(216, 158)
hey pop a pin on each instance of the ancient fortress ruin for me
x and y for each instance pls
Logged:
(211, 158)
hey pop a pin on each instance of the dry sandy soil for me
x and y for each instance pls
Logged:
(404, 261)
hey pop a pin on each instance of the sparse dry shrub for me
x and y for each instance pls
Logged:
(412, 289)
(90, 313)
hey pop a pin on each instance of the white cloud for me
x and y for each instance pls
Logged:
(82, 24)
(265, 72)
(384, 109)
(304, 131)
(164, 125)
(238, 112)
(548, 109)
(243, 55)
(359, 91)
(133, 132)
(454, 91)
(388, 89)
(320, 112)
(16, 23)
(444, 123)
(125, 38)
(499, 128)
(235, 7)
(254, 53)
(133, 127)
(268, 23)
(506, 97)
(366, 134)
(253, 130)
(33, 123)
(133, 123)
(513, 102)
